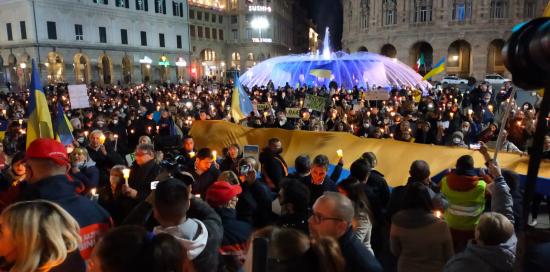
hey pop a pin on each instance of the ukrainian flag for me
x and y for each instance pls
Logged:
(39, 124)
(438, 68)
(63, 128)
(322, 71)
(546, 12)
(240, 103)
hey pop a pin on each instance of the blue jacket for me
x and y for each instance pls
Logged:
(92, 219)
(235, 239)
(358, 257)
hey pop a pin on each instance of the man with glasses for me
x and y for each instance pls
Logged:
(144, 170)
(332, 216)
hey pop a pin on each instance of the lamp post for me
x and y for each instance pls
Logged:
(260, 23)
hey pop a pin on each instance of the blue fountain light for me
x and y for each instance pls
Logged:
(362, 69)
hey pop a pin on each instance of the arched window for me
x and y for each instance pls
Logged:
(422, 11)
(499, 9)
(389, 11)
(530, 9)
(235, 56)
(208, 55)
(462, 10)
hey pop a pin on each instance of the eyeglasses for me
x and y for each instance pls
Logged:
(318, 218)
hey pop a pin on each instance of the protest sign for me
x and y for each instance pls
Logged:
(292, 112)
(316, 103)
(78, 96)
(377, 95)
(262, 107)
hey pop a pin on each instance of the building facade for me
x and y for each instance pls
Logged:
(470, 34)
(237, 34)
(102, 41)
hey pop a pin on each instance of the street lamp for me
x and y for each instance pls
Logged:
(260, 23)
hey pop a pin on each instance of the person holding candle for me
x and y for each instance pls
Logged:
(144, 170)
(103, 157)
(110, 197)
(203, 170)
(83, 169)
(319, 181)
(420, 240)
(12, 180)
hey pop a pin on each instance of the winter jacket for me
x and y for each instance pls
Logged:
(466, 196)
(358, 257)
(363, 230)
(88, 175)
(92, 219)
(254, 205)
(235, 239)
(421, 241)
(274, 168)
(203, 180)
(141, 177)
(315, 191)
(203, 243)
(394, 205)
(10, 187)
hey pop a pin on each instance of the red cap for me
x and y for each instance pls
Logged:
(45, 148)
(221, 192)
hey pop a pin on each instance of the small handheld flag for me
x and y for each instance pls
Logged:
(438, 68)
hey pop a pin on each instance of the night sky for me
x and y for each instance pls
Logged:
(327, 13)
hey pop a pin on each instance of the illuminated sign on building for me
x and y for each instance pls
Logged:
(259, 9)
(181, 62)
(164, 61)
(146, 60)
(260, 40)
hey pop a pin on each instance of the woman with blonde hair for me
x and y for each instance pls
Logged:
(39, 236)
(84, 170)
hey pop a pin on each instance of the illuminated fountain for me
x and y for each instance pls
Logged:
(362, 69)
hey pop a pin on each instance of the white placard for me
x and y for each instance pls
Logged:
(78, 95)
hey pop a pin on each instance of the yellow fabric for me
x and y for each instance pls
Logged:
(394, 157)
(547, 11)
(236, 111)
(473, 200)
(321, 73)
(39, 124)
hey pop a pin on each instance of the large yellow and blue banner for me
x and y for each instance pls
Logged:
(39, 124)
(394, 157)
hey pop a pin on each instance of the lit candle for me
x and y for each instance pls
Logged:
(490, 108)
(391, 135)
(265, 114)
(149, 130)
(340, 153)
(223, 104)
(158, 129)
(301, 103)
(191, 154)
(470, 111)
(126, 175)
(214, 155)
(4, 112)
(131, 131)
(158, 108)
(518, 123)
(451, 114)
(437, 214)
(116, 141)
(20, 121)
(23, 131)
(102, 139)
(392, 114)
(86, 134)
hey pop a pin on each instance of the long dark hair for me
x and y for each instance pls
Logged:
(355, 191)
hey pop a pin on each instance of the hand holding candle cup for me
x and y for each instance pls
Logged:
(102, 139)
(340, 153)
(191, 154)
(214, 155)
(126, 175)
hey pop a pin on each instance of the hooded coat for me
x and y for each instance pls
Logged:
(485, 258)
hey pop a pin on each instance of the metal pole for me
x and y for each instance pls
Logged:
(36, 37)
(503, 123)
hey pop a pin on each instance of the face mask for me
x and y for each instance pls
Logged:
(115, 121)
(457, 140)
(80, 140)
(465, 130)
(365, 125)
(125, 106)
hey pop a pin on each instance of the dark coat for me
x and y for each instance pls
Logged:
(141, 177)
(104, 162)
(204, 180)
(315, 191)
(274, 167)
(235, 238)
(254, 205)
(358, 257)
(92, 219)
(209, 259)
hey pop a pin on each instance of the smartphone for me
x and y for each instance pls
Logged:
(154, 184)
(475, 146)
(244, 169)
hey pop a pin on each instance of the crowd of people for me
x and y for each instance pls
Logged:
(133, 193)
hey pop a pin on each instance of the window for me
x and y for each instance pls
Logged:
(122, 3)
(249, 33)
(389, 10)
(422, 11)
(207, 32)
(160, 6)
(234, 19)
(105, 2)
(8, 31)
(207, 16)
(214, 34)
(177, 9)
(178, 41)
(199, 15)
(78, 33)
(23, 28)
(499, 9)
(124, 36)
(529, 10)
(220, 34)
(191, 14)
(235, 34)
(364, 21)
(102, 34)
(161, 40)
(208, 55)
(142, 5)
(233, 4)
(143, 35)
(220, 19)
(192, 30)
(213, 18)
(199, 31)
(52, 31)
(462, 10)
